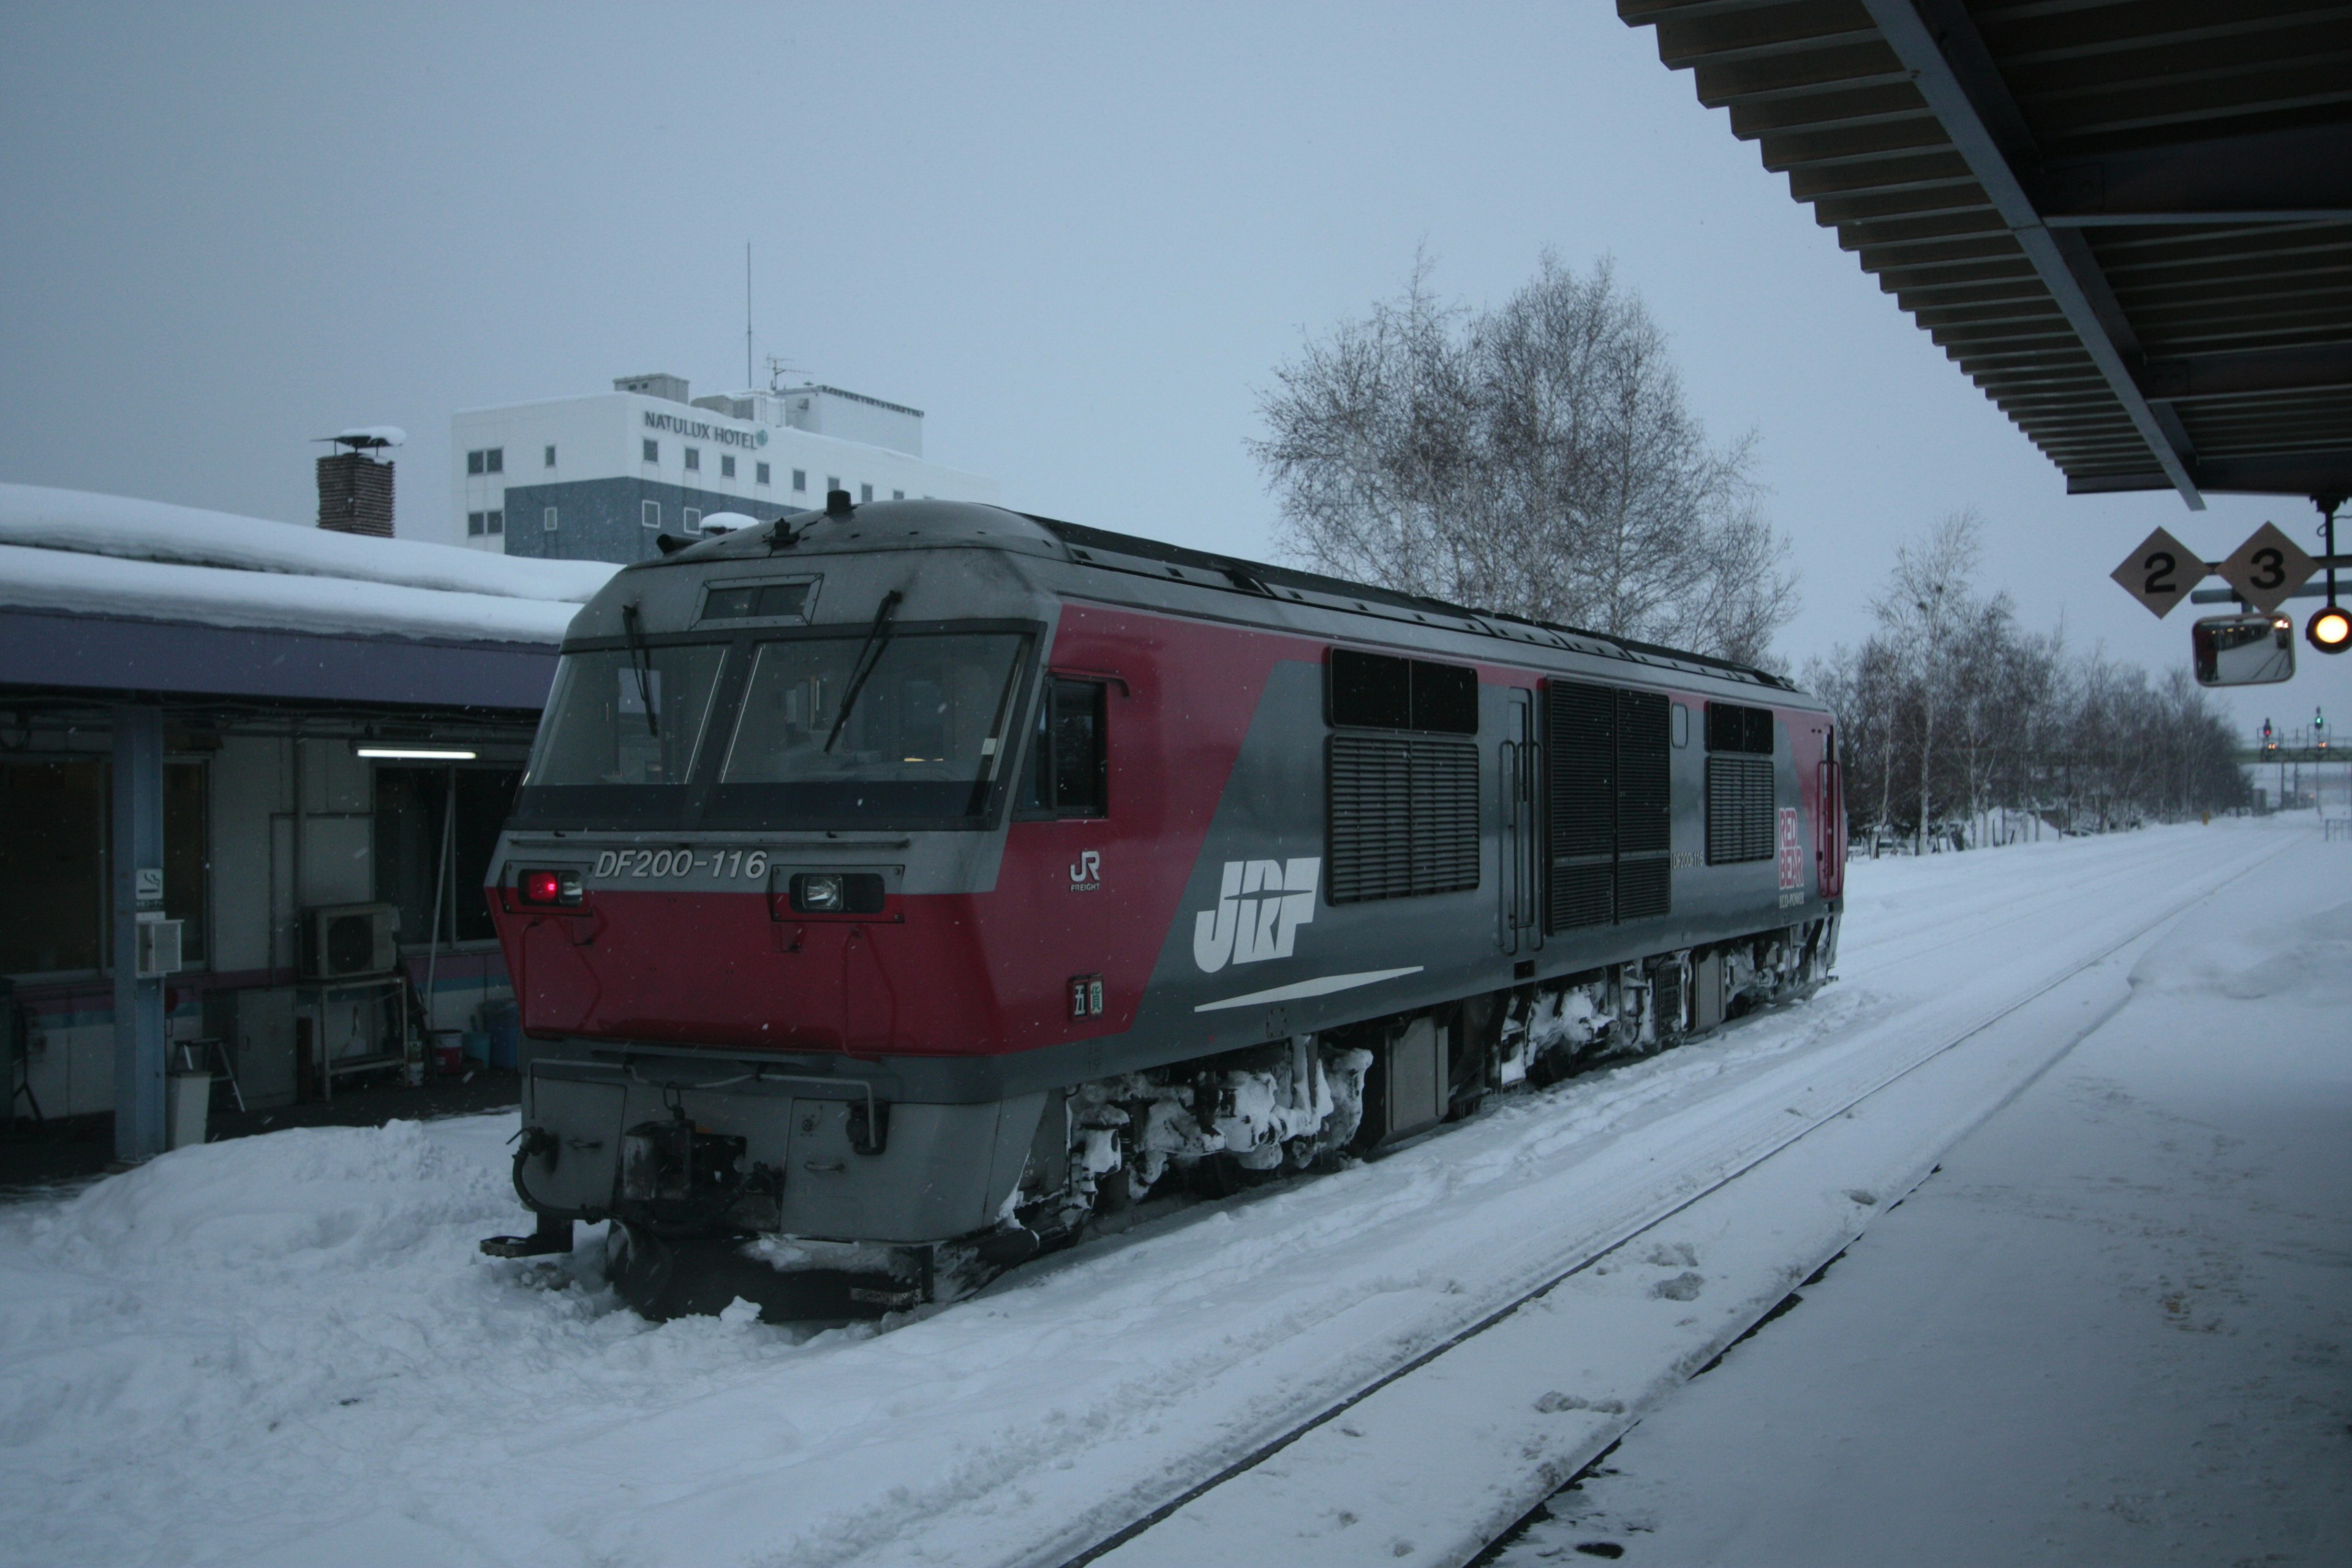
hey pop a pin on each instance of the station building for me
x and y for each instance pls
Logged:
(251, 775)
(599, 478)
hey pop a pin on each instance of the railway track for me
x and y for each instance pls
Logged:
(1260, 1484)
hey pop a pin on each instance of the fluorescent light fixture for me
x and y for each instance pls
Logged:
(414, 753)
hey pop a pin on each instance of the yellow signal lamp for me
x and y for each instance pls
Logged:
(2329, 630)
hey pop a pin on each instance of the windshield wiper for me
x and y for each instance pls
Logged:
(640, 660)
(869, 655)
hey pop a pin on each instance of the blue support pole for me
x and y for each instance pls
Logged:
(137, 862)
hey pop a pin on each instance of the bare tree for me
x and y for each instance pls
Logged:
(1538, 458)
(1922, 611)
(1375, 447)
(1980, 714)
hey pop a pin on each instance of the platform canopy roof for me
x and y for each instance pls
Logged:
(2128, 221)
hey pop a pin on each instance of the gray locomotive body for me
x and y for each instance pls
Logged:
(928, 874)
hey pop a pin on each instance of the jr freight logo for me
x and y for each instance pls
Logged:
(1261, 904)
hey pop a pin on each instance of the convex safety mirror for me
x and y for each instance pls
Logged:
(2243, 650)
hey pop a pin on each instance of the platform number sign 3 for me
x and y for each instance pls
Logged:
(2160, 572)
(2268, 568)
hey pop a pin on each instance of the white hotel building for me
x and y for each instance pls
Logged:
(598, 478)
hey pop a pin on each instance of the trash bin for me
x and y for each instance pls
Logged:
(187, 1102)
(448, 1051)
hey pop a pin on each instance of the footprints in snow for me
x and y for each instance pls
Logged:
(1683, 1287)
(1555, 1402)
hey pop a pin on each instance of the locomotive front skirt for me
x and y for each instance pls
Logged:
(933, 875)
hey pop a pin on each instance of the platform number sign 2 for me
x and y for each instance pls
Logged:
(2160, 572)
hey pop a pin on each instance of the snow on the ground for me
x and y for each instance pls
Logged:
(2116, 1328)
(77, 551)
(287, 1350)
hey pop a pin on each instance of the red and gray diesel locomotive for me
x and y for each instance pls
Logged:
(931, 877)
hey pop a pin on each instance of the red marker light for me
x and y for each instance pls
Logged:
(549, 889)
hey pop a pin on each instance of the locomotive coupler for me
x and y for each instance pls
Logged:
(677, 1177)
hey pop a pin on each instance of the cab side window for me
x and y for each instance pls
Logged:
(1068, 774)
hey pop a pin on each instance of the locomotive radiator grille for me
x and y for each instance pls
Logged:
(1739, 809)
(1403, 816)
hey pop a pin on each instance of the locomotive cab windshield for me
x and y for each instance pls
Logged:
(808, 731)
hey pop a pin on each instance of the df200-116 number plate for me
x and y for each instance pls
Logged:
(681, 863)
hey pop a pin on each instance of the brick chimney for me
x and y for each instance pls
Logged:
(355, 485)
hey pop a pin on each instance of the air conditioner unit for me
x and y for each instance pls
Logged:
(348, 941)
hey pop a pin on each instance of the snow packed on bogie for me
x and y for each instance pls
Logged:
(915, 885)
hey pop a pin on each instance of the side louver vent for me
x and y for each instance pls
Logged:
(1581, 801)
(1403, 816)
(1644, 807)
(1609, 804)
(1739, 809)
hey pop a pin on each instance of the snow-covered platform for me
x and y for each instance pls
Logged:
(2116, 1327)
(285, 1351)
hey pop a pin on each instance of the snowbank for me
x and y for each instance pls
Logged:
(89, 553)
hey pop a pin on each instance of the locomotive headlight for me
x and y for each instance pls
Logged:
(549, 889)
(2329, 630)
(836, 893)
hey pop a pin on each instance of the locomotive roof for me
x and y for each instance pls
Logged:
(934, 524)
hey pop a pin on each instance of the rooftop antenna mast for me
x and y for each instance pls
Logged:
(747, 314)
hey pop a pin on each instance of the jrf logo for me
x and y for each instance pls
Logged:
(1261, 904)
(1087, 875)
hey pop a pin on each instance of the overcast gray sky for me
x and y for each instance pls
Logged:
(1078, 237)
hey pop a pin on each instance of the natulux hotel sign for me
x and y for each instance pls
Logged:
(703, 430)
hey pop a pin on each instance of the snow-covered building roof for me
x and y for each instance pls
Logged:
(140, 569)
(77, 551)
